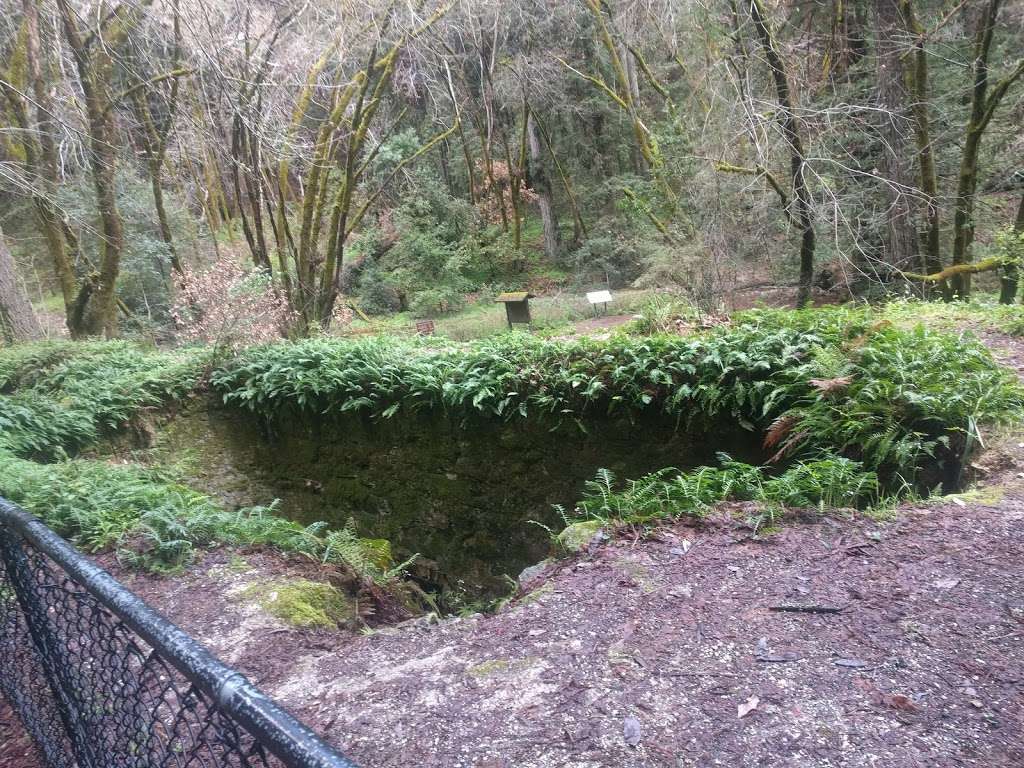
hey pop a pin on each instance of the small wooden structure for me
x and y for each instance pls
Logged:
(517, 306)
(425, 327)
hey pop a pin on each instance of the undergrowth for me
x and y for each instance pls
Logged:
(57, 397)
(825, 380)
(829, 482)
(847, 404)
(159, 525)
(980, 311)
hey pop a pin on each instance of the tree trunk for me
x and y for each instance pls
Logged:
(791, 130)
(18, 321)
(1011, 273)
(901, 235)
(983, 106)
(95, 308)
(47, 171)
(542, 186)
(917, 81)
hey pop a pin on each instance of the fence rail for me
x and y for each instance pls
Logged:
(101, 680)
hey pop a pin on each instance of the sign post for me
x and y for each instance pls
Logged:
(599, 297)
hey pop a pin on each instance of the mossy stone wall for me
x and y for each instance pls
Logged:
(461, 492)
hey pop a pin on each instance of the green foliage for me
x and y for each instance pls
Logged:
(370, 559)
(98, 505)
(145, 270)
(612, 256)
(830, 386)
(661, 314)
(158, 524)
(832, 380)
(68, 395)
(980, 311)
(437, 254)
(829, 481)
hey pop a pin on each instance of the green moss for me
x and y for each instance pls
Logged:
(578, 535)
(985, 495)
(535, 595)
(304, 603)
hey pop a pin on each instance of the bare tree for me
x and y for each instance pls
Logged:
(802, 211)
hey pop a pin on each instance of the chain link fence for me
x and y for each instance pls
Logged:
(100, 680)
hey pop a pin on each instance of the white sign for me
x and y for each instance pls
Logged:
(599, 297)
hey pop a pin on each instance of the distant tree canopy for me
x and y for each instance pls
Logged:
(417, 153)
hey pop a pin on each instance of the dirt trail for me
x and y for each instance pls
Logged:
(842, 641)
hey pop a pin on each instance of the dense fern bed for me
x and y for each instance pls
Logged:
(839, 394)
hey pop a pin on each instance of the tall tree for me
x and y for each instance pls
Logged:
(802, 212)
(916, 73)
(95, 307)
(18, 321)
(895, 166)
(983, 107)
(542, 186)
(37, 137)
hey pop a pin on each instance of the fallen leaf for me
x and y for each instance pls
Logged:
(747, 706)
(946, 583)
(632, 732)
(828, 386)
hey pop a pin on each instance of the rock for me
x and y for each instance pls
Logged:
(579, 536)
(632, 732)
(530, 573)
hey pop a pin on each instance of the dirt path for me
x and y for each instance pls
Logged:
(908, 650)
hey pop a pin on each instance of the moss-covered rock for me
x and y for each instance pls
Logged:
(304, 603)
(579, 535)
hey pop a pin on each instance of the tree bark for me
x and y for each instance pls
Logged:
(542, 186)
(18, 320)
(95, 308)
(791, 130)
(917, 81)
(983, 106)
(46, 161)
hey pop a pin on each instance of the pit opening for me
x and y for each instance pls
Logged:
(474, 497)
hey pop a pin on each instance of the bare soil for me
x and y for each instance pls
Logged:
(838, 640)
(17, 750)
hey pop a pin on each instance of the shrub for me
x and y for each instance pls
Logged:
(226, 305)
(813, 381)
(72, 393)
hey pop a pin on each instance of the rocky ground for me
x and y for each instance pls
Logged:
(842, 640)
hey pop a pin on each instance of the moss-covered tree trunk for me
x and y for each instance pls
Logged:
(916, 74)
(95, 308)
(983, 106)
